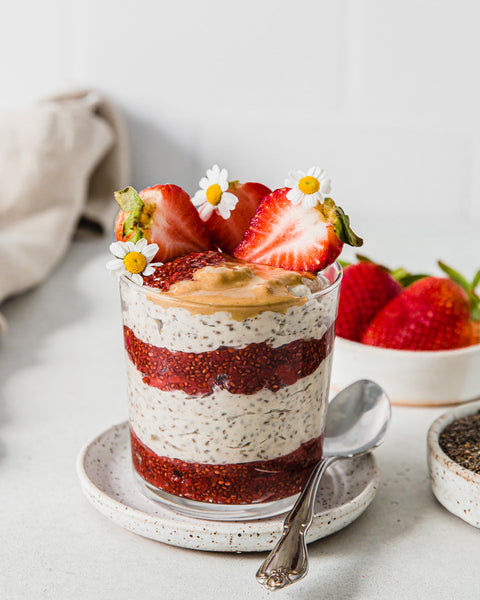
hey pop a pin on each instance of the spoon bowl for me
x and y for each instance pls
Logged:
(357, 421)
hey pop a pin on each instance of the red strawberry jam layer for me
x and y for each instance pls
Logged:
(183, 269)
(241, 483)
(240, 371)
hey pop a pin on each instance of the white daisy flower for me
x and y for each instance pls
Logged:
(308, 188)
(133, 260)
(213, 194)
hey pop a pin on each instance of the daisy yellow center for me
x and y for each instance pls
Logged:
(309, 185)
(214, 194)
(135, 262)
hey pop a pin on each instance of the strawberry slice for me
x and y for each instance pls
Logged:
(228, 233)
(164, 215)
(292, 237)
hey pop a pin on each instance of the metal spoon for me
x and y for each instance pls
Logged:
(357, 420)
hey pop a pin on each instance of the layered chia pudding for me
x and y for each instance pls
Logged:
(229, 303)
(228, 368)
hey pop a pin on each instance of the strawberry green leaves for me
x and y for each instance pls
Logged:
(469, 288)
(128, 199)
(341, 223)
(400, 274)
(131, 203)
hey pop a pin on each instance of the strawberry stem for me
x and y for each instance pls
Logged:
(341, 223)
(363, 258)
(476, 280)
(405, 278)
(400, 274)
(131, 203)
(455, 276)
(129, 200)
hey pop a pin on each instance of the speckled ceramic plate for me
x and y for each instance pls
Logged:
(105, 474)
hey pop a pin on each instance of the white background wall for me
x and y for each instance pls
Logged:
(384, 94)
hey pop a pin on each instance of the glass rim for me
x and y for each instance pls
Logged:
(331, 287)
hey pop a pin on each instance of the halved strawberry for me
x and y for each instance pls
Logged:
(228, 233)
(164, 215)
(292, 237)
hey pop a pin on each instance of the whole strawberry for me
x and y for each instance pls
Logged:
(365, 289)
(431, 314)
(475, 338)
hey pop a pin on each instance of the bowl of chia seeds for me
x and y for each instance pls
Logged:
(453, 443)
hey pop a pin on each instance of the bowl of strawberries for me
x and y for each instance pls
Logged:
(416, 335)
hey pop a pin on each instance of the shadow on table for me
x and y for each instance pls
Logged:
(340, 562)
(32, 316)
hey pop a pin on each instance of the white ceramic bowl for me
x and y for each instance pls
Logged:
(458, 489)
(414, 378)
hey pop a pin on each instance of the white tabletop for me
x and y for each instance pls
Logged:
(62, 382)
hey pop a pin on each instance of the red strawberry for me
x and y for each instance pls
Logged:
(164, 215)
(228, 233)
(289, 236)
(431, 314)
(475, 335)
(366, 288)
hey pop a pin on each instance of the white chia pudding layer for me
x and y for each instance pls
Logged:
(229, 306)
(177, 329)
(225, 428)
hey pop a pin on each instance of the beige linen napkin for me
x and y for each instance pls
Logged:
(60, 160)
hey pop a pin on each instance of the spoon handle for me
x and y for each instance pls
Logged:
(288, 561)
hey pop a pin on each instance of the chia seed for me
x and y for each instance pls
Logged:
(461, 442)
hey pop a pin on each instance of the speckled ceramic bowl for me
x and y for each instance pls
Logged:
(458, 489)
(411, 378)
